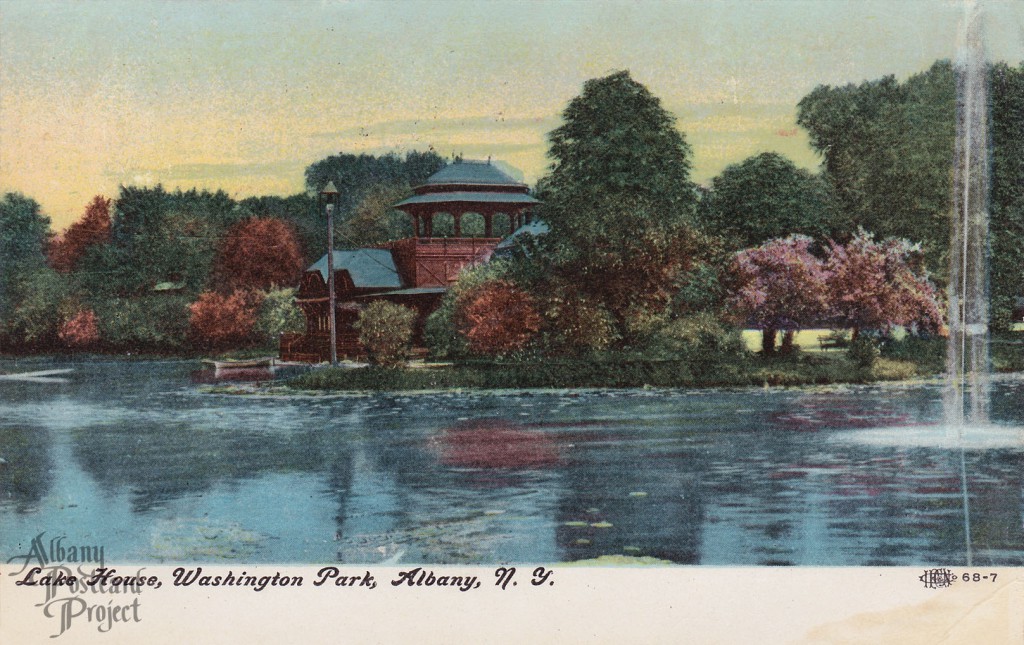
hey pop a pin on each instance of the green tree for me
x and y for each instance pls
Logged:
(163, 237)
(374, 221)
(887, 150)
(40, 310)
(767, 197)
(1007, 190)
(24, 235)
(355, 175)
(618, 200)
(620, 172)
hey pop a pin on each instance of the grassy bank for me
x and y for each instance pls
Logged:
(899, 360)
(754, 371)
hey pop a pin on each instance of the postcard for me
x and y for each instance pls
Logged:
(501, 322)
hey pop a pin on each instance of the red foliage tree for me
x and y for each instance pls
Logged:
(258, 253)
(782, 287)
(496, 318)
(81, 329)
(876, 285)
(94, 227)
(220, 320)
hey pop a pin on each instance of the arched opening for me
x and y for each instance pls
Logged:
(472, 225)
(443, 225)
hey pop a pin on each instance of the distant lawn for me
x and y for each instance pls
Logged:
(806, 339)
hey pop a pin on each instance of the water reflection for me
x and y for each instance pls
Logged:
(137, 456)
(27, 467)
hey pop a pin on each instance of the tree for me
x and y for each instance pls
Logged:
(300, 212)
(355, 175)
(258, 253)
(39, 299)
(165, 237)
(24, 234)
(93, 228)
(781, 286)
(876, 285)
(218, 320)
(497, 318)
(158, 322)
(620, 170)
(385, 330)
(767, 197)
(1007, 190)
(441, 332)
(374, 221)
(618, 200)
(887, 149)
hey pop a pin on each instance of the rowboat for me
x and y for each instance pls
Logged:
(229, 363)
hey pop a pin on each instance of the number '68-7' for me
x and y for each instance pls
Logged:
(977, 577)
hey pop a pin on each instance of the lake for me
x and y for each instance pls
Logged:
(141, 458)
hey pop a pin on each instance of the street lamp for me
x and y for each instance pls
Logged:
(329, 198)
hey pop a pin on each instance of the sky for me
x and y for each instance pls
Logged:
(243, 95)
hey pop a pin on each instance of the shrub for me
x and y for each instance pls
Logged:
(156, 322)
(575, 324)
(440, 333)
(81, 329)
(277, 315)
(385, 330)
(863, 352)
(219, 321)
(496, 318)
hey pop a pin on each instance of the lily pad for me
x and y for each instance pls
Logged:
(576, 524)
(602, 525)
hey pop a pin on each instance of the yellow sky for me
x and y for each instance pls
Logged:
(243, 95)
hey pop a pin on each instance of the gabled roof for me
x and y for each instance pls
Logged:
(368, 268)
(471, 172)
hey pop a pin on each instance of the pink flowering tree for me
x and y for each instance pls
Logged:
(877, 285)
(782, 286)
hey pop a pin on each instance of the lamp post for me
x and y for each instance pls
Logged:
(329, 197)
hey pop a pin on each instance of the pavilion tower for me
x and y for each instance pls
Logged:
(434, 258)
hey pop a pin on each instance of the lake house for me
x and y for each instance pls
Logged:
(459, 216)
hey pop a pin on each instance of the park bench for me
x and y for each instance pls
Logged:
(836, 341)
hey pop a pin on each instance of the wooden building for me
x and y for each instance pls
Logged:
(459, 216)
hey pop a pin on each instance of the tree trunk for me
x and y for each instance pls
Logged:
(768, 341)
(787, 341)
(855, 334)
